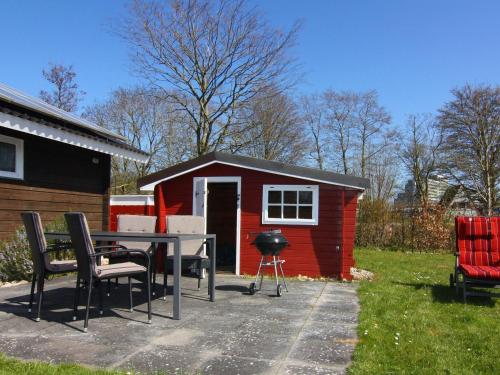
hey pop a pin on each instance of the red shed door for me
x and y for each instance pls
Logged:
(218, 200)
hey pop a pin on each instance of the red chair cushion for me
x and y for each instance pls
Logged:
(480, 272)
(473, 226)
(473, 240)
(495, 234)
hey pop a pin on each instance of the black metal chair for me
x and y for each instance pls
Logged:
(43, 266)
(91, 274)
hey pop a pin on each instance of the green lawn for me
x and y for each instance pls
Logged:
(10, 366)
(411, 322)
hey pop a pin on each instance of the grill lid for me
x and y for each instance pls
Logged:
(270, 243)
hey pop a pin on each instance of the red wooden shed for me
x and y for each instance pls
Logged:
(240, 196)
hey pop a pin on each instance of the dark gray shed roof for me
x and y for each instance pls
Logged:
(148, 182)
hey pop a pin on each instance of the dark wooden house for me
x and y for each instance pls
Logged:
(241, 196)
(52, 161)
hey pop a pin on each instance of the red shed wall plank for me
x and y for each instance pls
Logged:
(312, 249)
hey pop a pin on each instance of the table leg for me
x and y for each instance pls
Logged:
(165, 272)
(213, 257)
(177, 279)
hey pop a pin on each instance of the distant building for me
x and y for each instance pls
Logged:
(440, 191)
(407, 197)
(437, 187)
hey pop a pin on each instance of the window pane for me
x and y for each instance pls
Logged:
(305, 197)
(305, 212)
(7, 157)
(274, 212)
(290, 197)
(290, 212)
(274, 196)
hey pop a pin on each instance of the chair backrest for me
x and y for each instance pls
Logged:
(477, 240)
(36, 240)
(495, 241)
(82, 243)
(187, 224)
(136, 224)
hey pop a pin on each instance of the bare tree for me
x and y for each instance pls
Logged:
(371, 128)
(383, 174)
(65, 93)
(471, 127)
(211, 57)
(274, 130)
(420, 153)
(144, 118)
(313, 117)
(340, 122)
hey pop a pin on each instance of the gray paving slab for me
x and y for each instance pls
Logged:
(310, 330)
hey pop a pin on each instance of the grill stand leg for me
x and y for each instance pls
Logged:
(258, 270)
(276, 272)
(283, 273)
(262, 274)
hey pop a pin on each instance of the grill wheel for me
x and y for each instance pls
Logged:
(279, 291)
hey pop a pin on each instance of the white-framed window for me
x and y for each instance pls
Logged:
(290, 204)
(11, 157)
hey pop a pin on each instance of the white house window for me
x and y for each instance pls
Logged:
(11, 157)
(290, 204)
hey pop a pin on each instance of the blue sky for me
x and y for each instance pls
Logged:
(411, 52)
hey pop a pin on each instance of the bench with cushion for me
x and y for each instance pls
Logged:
(478, 253)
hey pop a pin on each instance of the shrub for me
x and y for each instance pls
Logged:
(374, 223)
(15, 258)
(433, 229)
(381, 225)
(15, 253)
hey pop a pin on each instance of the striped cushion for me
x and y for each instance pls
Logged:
(481, 272)
(477, 243)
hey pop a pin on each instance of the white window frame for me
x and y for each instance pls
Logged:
(315, 204)
(19, 144)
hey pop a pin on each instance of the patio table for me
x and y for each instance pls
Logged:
(159, 238)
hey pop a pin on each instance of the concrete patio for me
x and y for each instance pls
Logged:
(310, 330)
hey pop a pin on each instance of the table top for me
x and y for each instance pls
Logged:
(135, 236)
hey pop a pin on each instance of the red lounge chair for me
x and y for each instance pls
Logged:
(478, 254)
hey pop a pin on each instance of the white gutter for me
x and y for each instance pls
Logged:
(34, 128)
(17, 97)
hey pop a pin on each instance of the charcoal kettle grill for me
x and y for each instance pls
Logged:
(270, 244)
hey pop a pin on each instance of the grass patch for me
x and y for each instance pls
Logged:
(411, 322)
(11, 366)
